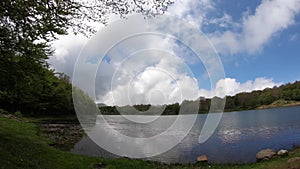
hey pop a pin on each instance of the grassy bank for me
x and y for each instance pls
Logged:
(22, 146)
(280, 103)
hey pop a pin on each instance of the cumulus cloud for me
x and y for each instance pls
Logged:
(149, 76)
(253, 33)
(158, 77)
(156, 89)
(250, 34)
(193, 11)
(66, 51)
(232, 87)
(224, 22)
(270, 17)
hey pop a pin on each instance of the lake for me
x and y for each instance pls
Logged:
(237, 139)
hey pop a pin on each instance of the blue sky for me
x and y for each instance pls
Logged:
(258, 42)
(276, 57)
(279, 59)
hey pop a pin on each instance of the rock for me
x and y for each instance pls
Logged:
(294, 163)
(282, 153)
(265, 155)
(99, 166)
(202, 158)
(9, 116)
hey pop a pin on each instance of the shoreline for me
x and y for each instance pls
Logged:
(293, 103)
(18, 136)
(274, 105)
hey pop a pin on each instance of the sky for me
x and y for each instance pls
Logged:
(257, 42)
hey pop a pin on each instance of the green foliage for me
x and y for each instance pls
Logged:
(3, 111)
(108, 110)
(244, 101)
(33, 89)
(26, 83)
(18, 114)
(268, 99)
(204, 106)
(21, 147)
(172, 109)
(142, 107)
(26, 28)
(85, 107)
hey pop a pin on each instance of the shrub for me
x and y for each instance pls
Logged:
(2, 111)
(18, 114)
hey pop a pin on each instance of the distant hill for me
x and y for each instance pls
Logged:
(284, 95)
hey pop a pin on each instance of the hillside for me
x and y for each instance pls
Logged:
(284, 95)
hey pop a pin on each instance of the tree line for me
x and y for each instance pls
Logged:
(254, 99)
(240, 101)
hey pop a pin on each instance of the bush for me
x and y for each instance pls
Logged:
(18, 114)
(2, 111)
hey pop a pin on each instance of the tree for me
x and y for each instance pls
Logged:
(27, 27)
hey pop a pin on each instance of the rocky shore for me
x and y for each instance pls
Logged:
(63, 135)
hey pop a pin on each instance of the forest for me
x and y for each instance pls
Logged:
(28, 84)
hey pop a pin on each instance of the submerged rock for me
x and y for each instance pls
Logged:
(202, 158)
(265, 155)
(282, 153)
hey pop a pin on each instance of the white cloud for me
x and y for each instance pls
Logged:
(255, 30)
(226, 42)
(159, 79)
(232, 87)
(250, 34)
(66, 50)
(152, 86)
(294, 37)
(270, 17)
(194, 11)
(149, 77)
(156, 88)
(224, 22)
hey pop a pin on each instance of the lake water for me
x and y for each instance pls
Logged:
(239, 136)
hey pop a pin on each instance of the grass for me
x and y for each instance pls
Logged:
(280, 103)
(22, 147)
